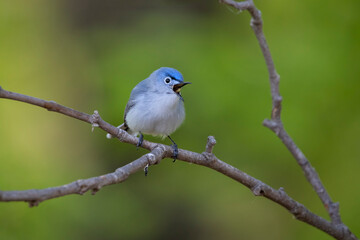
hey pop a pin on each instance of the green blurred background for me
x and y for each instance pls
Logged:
(89, 54)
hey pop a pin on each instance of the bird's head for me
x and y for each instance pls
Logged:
(169, 78)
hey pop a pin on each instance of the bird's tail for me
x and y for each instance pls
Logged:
(122, 126)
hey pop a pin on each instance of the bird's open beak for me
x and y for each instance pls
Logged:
(177, 87)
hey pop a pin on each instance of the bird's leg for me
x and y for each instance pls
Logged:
(146, 169)
(175, 149)
(141, 139)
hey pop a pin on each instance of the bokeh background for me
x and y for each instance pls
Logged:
(89, 54)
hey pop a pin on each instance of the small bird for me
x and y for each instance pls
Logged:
(156, 106)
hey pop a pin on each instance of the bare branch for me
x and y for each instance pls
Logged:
(275, 124)
(35, 196)
(158, 152)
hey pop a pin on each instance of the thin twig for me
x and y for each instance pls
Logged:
(275, 124)
(158, 152)
(210, 144)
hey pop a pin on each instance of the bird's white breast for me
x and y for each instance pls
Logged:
(160, 114)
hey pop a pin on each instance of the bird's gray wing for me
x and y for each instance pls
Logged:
(129, 105)
(139, 90)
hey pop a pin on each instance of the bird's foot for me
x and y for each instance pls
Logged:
(141, 139)
(175, 151)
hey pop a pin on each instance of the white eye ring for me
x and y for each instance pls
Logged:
(167, 80)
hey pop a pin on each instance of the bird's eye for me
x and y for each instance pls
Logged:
(167, 80)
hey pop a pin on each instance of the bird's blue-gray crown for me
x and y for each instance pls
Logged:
(168, 79)
(163, 72)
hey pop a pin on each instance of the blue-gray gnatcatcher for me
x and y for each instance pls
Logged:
(156, 106)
